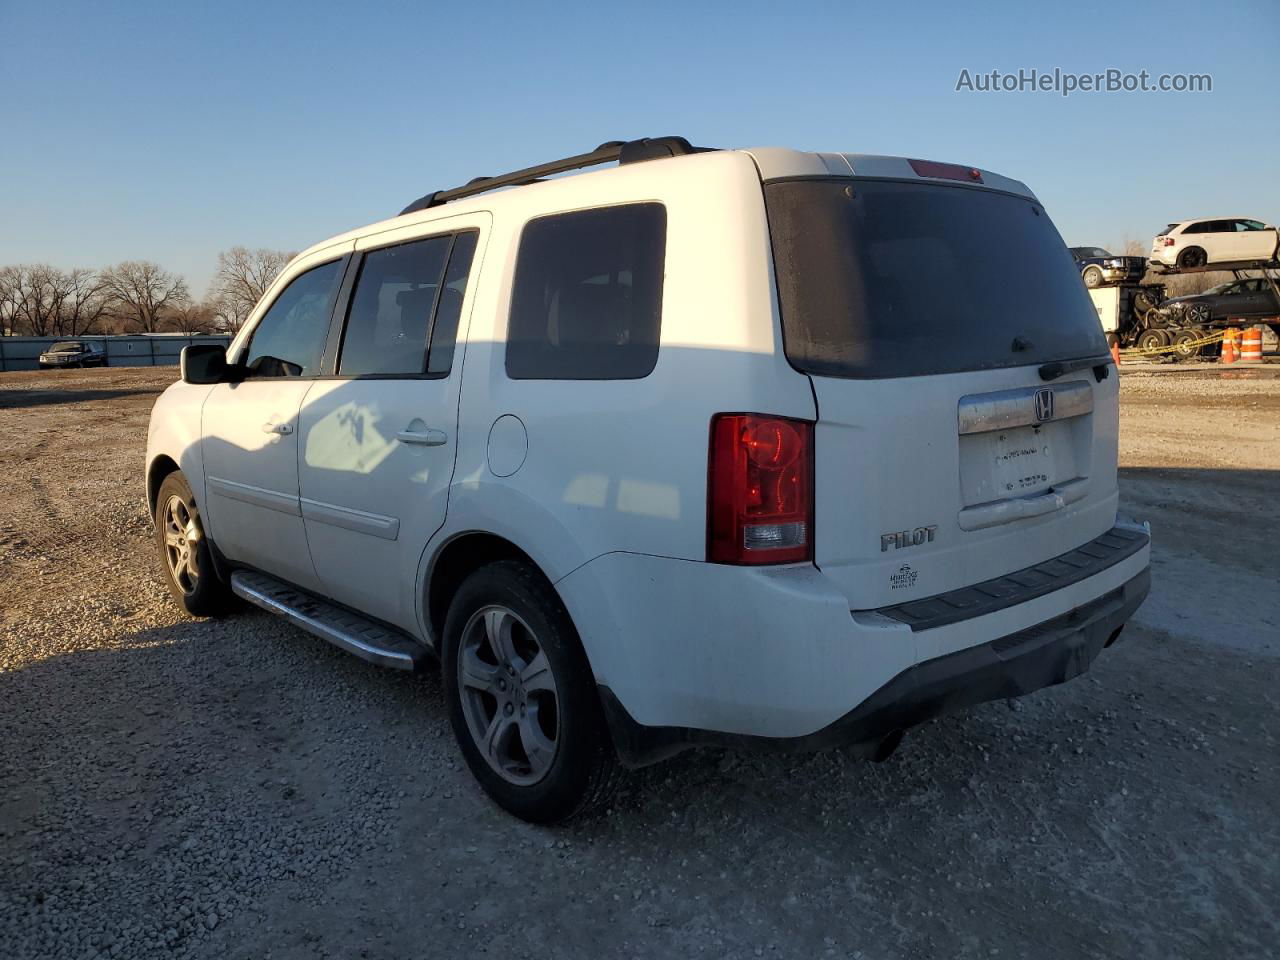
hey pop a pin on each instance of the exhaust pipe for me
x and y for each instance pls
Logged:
(887, 747)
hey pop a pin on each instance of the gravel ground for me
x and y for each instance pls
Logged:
(237, 789)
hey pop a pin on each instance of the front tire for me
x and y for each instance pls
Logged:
(1197, 313)
(1092, 277)
(522, 697)
(185, 552)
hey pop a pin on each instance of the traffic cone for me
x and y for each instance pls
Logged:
(1229, 346)
(1115, 352)
(1251, 346)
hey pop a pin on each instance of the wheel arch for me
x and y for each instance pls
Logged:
(456, 559)
(159, 468)
(1182, 254)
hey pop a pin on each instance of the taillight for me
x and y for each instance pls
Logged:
(759, 489)
(1168, 241)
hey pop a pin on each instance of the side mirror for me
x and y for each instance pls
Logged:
(203, 363)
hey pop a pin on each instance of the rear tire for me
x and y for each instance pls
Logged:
(522, 698)
(1152, 340)
(185, 552)
(1192, 257)
(1183, 341)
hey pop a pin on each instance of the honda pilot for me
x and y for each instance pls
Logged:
(754, 448)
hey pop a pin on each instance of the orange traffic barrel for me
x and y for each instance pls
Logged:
(1251, 346)
(1115, 352)
(1229, 345)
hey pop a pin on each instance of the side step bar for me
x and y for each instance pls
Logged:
(384, 646)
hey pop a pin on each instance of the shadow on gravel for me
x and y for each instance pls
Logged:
(15, 399)
(1216, 513)
(1265, 483)
(233, 788)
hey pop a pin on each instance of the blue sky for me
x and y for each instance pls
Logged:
(170, 131)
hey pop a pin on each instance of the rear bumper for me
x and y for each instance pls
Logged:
(688, 652)
(1039, 656)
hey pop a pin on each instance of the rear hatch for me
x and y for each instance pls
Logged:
(923, 312)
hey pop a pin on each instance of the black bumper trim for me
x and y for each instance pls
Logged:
(1087, 560)
(1039, 656)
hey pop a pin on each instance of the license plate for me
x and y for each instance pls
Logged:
(1022, 460)
(1015, 462)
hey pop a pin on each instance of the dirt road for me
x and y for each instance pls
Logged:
(237, 789)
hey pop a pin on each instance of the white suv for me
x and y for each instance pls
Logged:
(1195, 244)
(742, 447)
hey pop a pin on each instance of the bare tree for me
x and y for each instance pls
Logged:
(192, 318)
(83, 302)
(31, 297)
(144, 292)
(241, 280)
(10, 298)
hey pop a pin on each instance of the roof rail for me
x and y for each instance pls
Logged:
(625, 152)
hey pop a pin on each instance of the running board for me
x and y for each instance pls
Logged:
(384, 646)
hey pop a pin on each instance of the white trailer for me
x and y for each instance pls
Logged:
(1109, 301)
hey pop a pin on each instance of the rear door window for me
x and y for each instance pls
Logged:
(391, 309)
(444, 332)
(587, 302)
(881, 279)
(404, 310)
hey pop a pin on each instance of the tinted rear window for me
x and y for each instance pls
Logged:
(889, 279)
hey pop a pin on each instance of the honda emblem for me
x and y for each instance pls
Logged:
(1044, 405)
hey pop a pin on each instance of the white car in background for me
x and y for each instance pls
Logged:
(1192, 244)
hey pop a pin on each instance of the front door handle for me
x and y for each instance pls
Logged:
(283, 429)
(425, 438)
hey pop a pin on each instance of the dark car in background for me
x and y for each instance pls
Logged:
(1248, 299)
(1098, 267)
(74, 353)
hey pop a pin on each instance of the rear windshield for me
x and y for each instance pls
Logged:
(882, 279)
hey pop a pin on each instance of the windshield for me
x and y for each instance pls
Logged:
(1090, 252)
(881, 278)
(69, 347)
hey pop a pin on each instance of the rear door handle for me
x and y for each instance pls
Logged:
(425, 438)
(281, 428)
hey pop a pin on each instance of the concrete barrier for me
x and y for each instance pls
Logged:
(141, 350)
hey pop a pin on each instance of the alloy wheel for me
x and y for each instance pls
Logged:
(181, 540)
(509, 695)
